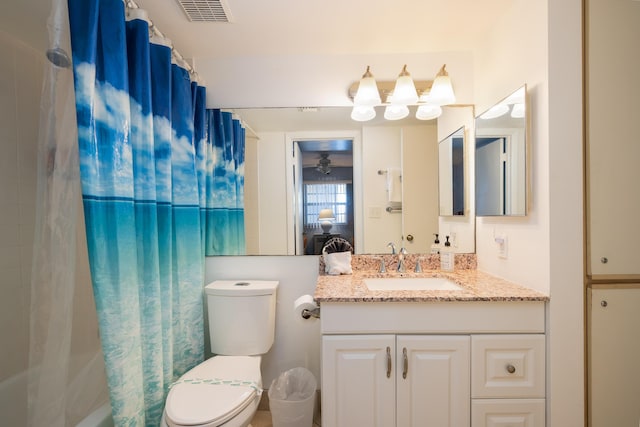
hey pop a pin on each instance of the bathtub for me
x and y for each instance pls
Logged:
(13, 395)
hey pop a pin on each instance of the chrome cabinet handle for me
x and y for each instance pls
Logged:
(510, 368)
(388, 362)
(405, 363)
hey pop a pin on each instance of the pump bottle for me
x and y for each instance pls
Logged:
(446, 256)
(435, 246)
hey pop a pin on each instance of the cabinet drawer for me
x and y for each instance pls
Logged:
(507, 412)
(507, 366)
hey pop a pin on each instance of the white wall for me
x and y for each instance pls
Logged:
(545, 247)
(514, 54)
(566, 314)
(320, 80)
(297, 341)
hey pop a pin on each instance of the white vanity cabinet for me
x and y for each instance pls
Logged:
(441, 364)
(389, 380)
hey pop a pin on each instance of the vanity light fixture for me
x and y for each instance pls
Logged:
(514, 102)
(517, 111)
(428, 96)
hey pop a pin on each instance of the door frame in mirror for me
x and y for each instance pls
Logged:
(294, 204)
(448, 210)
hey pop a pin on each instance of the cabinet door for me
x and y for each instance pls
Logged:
(615, 351)
(508, 413)
(612, 137)
(358, 381)
(433, 381)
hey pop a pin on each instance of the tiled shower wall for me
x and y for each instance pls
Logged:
(21, 77)
(20, 85)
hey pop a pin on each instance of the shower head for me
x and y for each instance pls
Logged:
(58, 57)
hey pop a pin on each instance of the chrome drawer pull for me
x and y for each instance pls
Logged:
(405, 363)
(388, 362)
(510, 368)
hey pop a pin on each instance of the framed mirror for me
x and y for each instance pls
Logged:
(451, 174)
(501, 157)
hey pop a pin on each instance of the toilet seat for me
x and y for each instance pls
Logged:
(214, 392)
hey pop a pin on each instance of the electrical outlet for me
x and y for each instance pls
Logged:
(501, 241)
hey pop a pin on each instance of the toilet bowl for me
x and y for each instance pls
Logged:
(225, 390)
(222, 391)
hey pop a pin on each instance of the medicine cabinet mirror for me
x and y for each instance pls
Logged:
(501, 157)
(451, 174)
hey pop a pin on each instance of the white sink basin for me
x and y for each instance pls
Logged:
(411, 284)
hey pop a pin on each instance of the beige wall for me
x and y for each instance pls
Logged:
(20, 83)
(21, 77)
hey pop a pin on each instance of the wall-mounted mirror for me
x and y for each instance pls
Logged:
(275, 135)
(451, 174)
(501, 157)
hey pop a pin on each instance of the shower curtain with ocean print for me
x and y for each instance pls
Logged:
(224, 233)
(146, 159)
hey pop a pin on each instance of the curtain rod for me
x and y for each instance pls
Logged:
(131, 4)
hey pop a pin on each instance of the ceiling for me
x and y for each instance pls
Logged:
(290, 27)
(268, 40)
(293, 27)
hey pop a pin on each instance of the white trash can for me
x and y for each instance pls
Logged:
(292, 397)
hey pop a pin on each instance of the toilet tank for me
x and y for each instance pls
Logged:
(241, 316)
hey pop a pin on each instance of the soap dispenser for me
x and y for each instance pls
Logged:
(446, 256)
(435, 247)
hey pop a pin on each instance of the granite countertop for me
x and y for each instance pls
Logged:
(477, 286)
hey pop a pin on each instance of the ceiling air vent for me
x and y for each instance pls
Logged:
(206, 10)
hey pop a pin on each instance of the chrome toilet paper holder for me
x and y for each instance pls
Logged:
(306, 313)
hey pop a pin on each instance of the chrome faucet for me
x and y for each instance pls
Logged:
(401, 266)
(393, 248)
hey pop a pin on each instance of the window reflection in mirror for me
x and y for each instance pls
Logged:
(451, 174)
(500, 158)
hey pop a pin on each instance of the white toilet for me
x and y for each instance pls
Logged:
(225, 390)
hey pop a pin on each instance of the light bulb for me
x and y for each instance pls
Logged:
(396, 112)
(363, 113)
(428, 112)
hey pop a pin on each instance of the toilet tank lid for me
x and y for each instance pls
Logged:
(241, 288)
